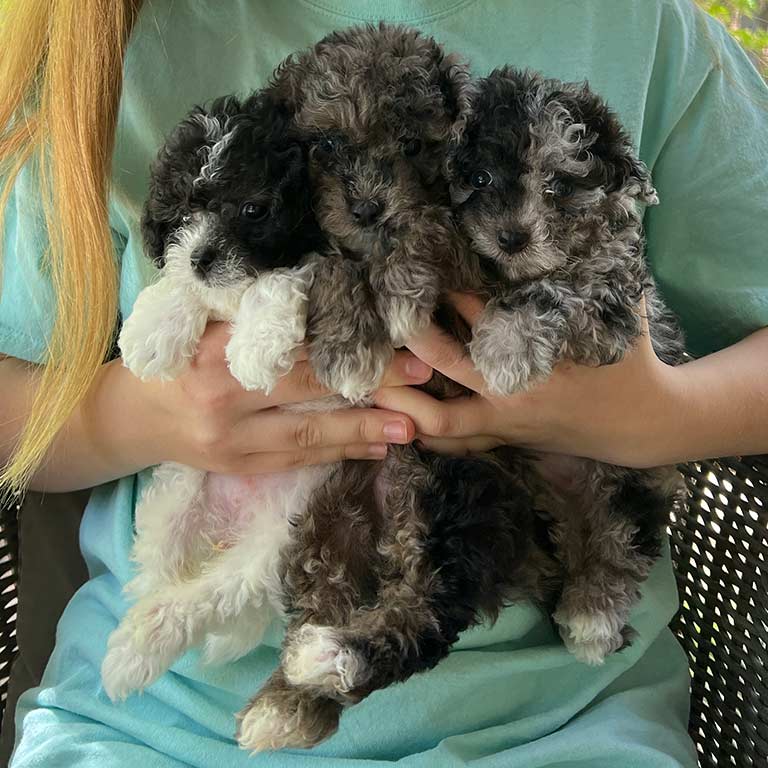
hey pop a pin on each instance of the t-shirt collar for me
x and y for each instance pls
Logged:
(387, 10)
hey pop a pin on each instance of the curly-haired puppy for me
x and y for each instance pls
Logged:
(544, 182)
(390, 562)
(378, 106)
(229, 221)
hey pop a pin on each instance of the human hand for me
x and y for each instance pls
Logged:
(621, 414)
(204, 418)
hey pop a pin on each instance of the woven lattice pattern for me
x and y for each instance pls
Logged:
(720, 550)
(8, 598)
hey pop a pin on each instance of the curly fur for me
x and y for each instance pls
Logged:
(207, 546)
(544, 182)
(378, 105)
(391, 561)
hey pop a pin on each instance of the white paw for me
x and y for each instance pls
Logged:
(316, 658)
(262, 726)
(404, 320)
(256, 366)
(590, 637)
(504, 371)
(125, 671)
(154, 355)
(355, 376)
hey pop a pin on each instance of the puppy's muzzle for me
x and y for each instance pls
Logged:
(365, 212)
(512, 240)
(203, 259)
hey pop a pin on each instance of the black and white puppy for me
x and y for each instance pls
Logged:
(229, 221)
(544, 183)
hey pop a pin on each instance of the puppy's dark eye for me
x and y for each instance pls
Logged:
(562, 188)
(253, 211)
(326, 146)
(481, 179)
(411, 147)
(186, 218)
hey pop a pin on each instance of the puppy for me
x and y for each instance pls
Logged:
(229, 221)
(391, 561)
(544, 183)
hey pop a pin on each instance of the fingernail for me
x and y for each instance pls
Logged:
(418, 370)
(377, 450)
(396, 431)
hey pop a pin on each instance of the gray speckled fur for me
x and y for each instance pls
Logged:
(571, 293)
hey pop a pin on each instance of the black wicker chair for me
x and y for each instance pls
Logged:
(720, 551)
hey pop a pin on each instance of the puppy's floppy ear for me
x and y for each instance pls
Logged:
(609, 142)
(636, 179)
(154, 233)
(174, 170)
(455, 83)
(286, 84)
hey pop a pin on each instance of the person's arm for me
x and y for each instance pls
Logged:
(204, 419)
(639, 412)
(705, 136)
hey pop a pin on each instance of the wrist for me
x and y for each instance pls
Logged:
(667, 425)
(123, 420)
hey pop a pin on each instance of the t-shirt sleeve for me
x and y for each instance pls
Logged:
(26, 295)
(27, 299)
(708, 238)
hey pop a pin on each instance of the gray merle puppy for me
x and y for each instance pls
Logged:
(544, 182)
(390, 561)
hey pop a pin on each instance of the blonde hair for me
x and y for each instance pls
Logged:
(60, 82)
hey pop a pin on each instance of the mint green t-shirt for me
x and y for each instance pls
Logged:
(508, 695)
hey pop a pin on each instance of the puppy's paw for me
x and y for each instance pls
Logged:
(125, 670)
(591, 636)
(156, 354)
(353, 369)
(318, 658)
(286, 719)
(505, 368)
(406, 318)
(257, 366)
(508, 354)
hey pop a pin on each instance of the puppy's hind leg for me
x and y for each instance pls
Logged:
(457, 541)
(168, 519)
(608, 544)
(160, 627)
(283, 716)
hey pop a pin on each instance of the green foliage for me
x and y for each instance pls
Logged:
(747, 21)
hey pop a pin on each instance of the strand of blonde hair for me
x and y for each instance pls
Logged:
(60, 83)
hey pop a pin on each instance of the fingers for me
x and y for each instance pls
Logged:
(460, 446)
(443, 353)
(281, 431)
(301, 384)
(468, 305)
(261, 463)
(458, 417)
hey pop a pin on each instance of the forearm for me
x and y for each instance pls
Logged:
(720, 405)
(109, 435)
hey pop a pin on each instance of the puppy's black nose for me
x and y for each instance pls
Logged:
(511, 240)
(365, 212)
(202, 258)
